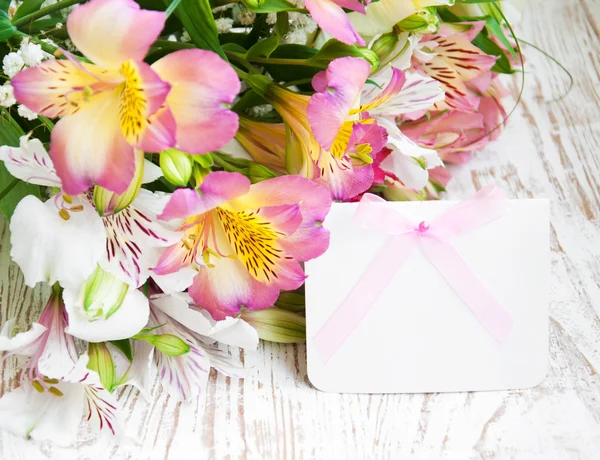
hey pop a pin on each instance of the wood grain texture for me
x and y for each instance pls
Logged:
(551, 150)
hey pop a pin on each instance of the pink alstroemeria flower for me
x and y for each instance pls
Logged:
(246, 241)
(332, 18)
(120, 103)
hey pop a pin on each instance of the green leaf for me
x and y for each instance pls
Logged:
(7, 30)
(125, 347)
(263, 48)
(10, 132)
(27, 7)
(502, 65)
(333, 50)
(269, 6)
(197, 18)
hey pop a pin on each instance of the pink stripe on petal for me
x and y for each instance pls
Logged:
(216, 189)
(89, 148)
(202, 85)
(109, 32)
(332, 19)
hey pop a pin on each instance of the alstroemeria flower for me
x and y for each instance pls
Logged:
(120, 103)
(344, 100)
(246, 242)
(382, 16)
(104, 106)
(332, 19)
(54, 409)
(303, 154)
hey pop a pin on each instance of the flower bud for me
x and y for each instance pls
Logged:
(169, 344)
(108, 203)
(399, 192)
(251, 4)
(277, 325)
(291, 301)
(423, 21)
(101, 362)
(176, 166)
(371, 57)
(385, 44)
(258, 173)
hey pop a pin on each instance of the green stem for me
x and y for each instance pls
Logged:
(8, 188)
(53, 50)
(274, 61)
(45, 12)
(174, 4)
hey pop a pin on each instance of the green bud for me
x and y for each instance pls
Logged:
(385, 44)
(100, 361)
(176, 166)
(250, 4)
(277, 325)
(401, 193)
(102, 295)
(108, 203)
(169, 344)
(291, 301)
(423, 21)
(371, 57)
(259, 173)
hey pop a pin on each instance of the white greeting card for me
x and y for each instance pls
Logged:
(419, 335)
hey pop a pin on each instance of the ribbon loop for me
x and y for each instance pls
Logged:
(432, 241)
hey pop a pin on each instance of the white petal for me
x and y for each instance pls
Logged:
(381, 16)
(60, 354)
(21, 340)
(236, 150)
(127, 321)
(235, 332)
(49, 248)
(30, 162)
(151, 172)
(135, 240)
(406, 169)
(175, 282)
(43, 416)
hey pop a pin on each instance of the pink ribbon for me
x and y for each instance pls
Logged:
(433, 240)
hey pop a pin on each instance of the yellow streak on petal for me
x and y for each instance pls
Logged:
(340, 144)
(132, 103)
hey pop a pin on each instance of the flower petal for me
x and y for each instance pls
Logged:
(109, 32)
(332, 19)
(381, 17)
(89, 148)
(343, 180)
(311, 239)
(21, 340)
(128, 320)
(216, 189)
(43, 416)
(223, 289)
(57, 88)
(328, 111)
(48, 248)
(30, 162)
(202, 83)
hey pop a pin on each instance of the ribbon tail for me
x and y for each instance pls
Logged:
(364, 295)
(468, 287)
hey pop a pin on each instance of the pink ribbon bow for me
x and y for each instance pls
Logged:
(433, 240)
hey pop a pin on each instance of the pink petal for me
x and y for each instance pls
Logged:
(160, 132)
(202, 84)
(328, 110)
(222, 290)
(55, 88)
(89, 148)
(173, 259)
(311, 239)
(373, 134)
(216, 189)
(332, 19)
(343, 180)
(109, 32)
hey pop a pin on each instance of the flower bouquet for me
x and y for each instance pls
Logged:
(167, 169)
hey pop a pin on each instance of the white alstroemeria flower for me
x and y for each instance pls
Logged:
(53, 410)
(382, 16)
(48, 350)
(418, 93)
(184, 376)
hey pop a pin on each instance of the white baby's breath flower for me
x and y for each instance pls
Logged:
(31, 53)
(260, 110)
(271, 18)
(7, 97)
(26, 113)
(172, 38)
(224, 25)
(12, 64)
(185, 37)
(243, 15)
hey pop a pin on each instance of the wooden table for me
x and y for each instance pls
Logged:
(550, 149)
